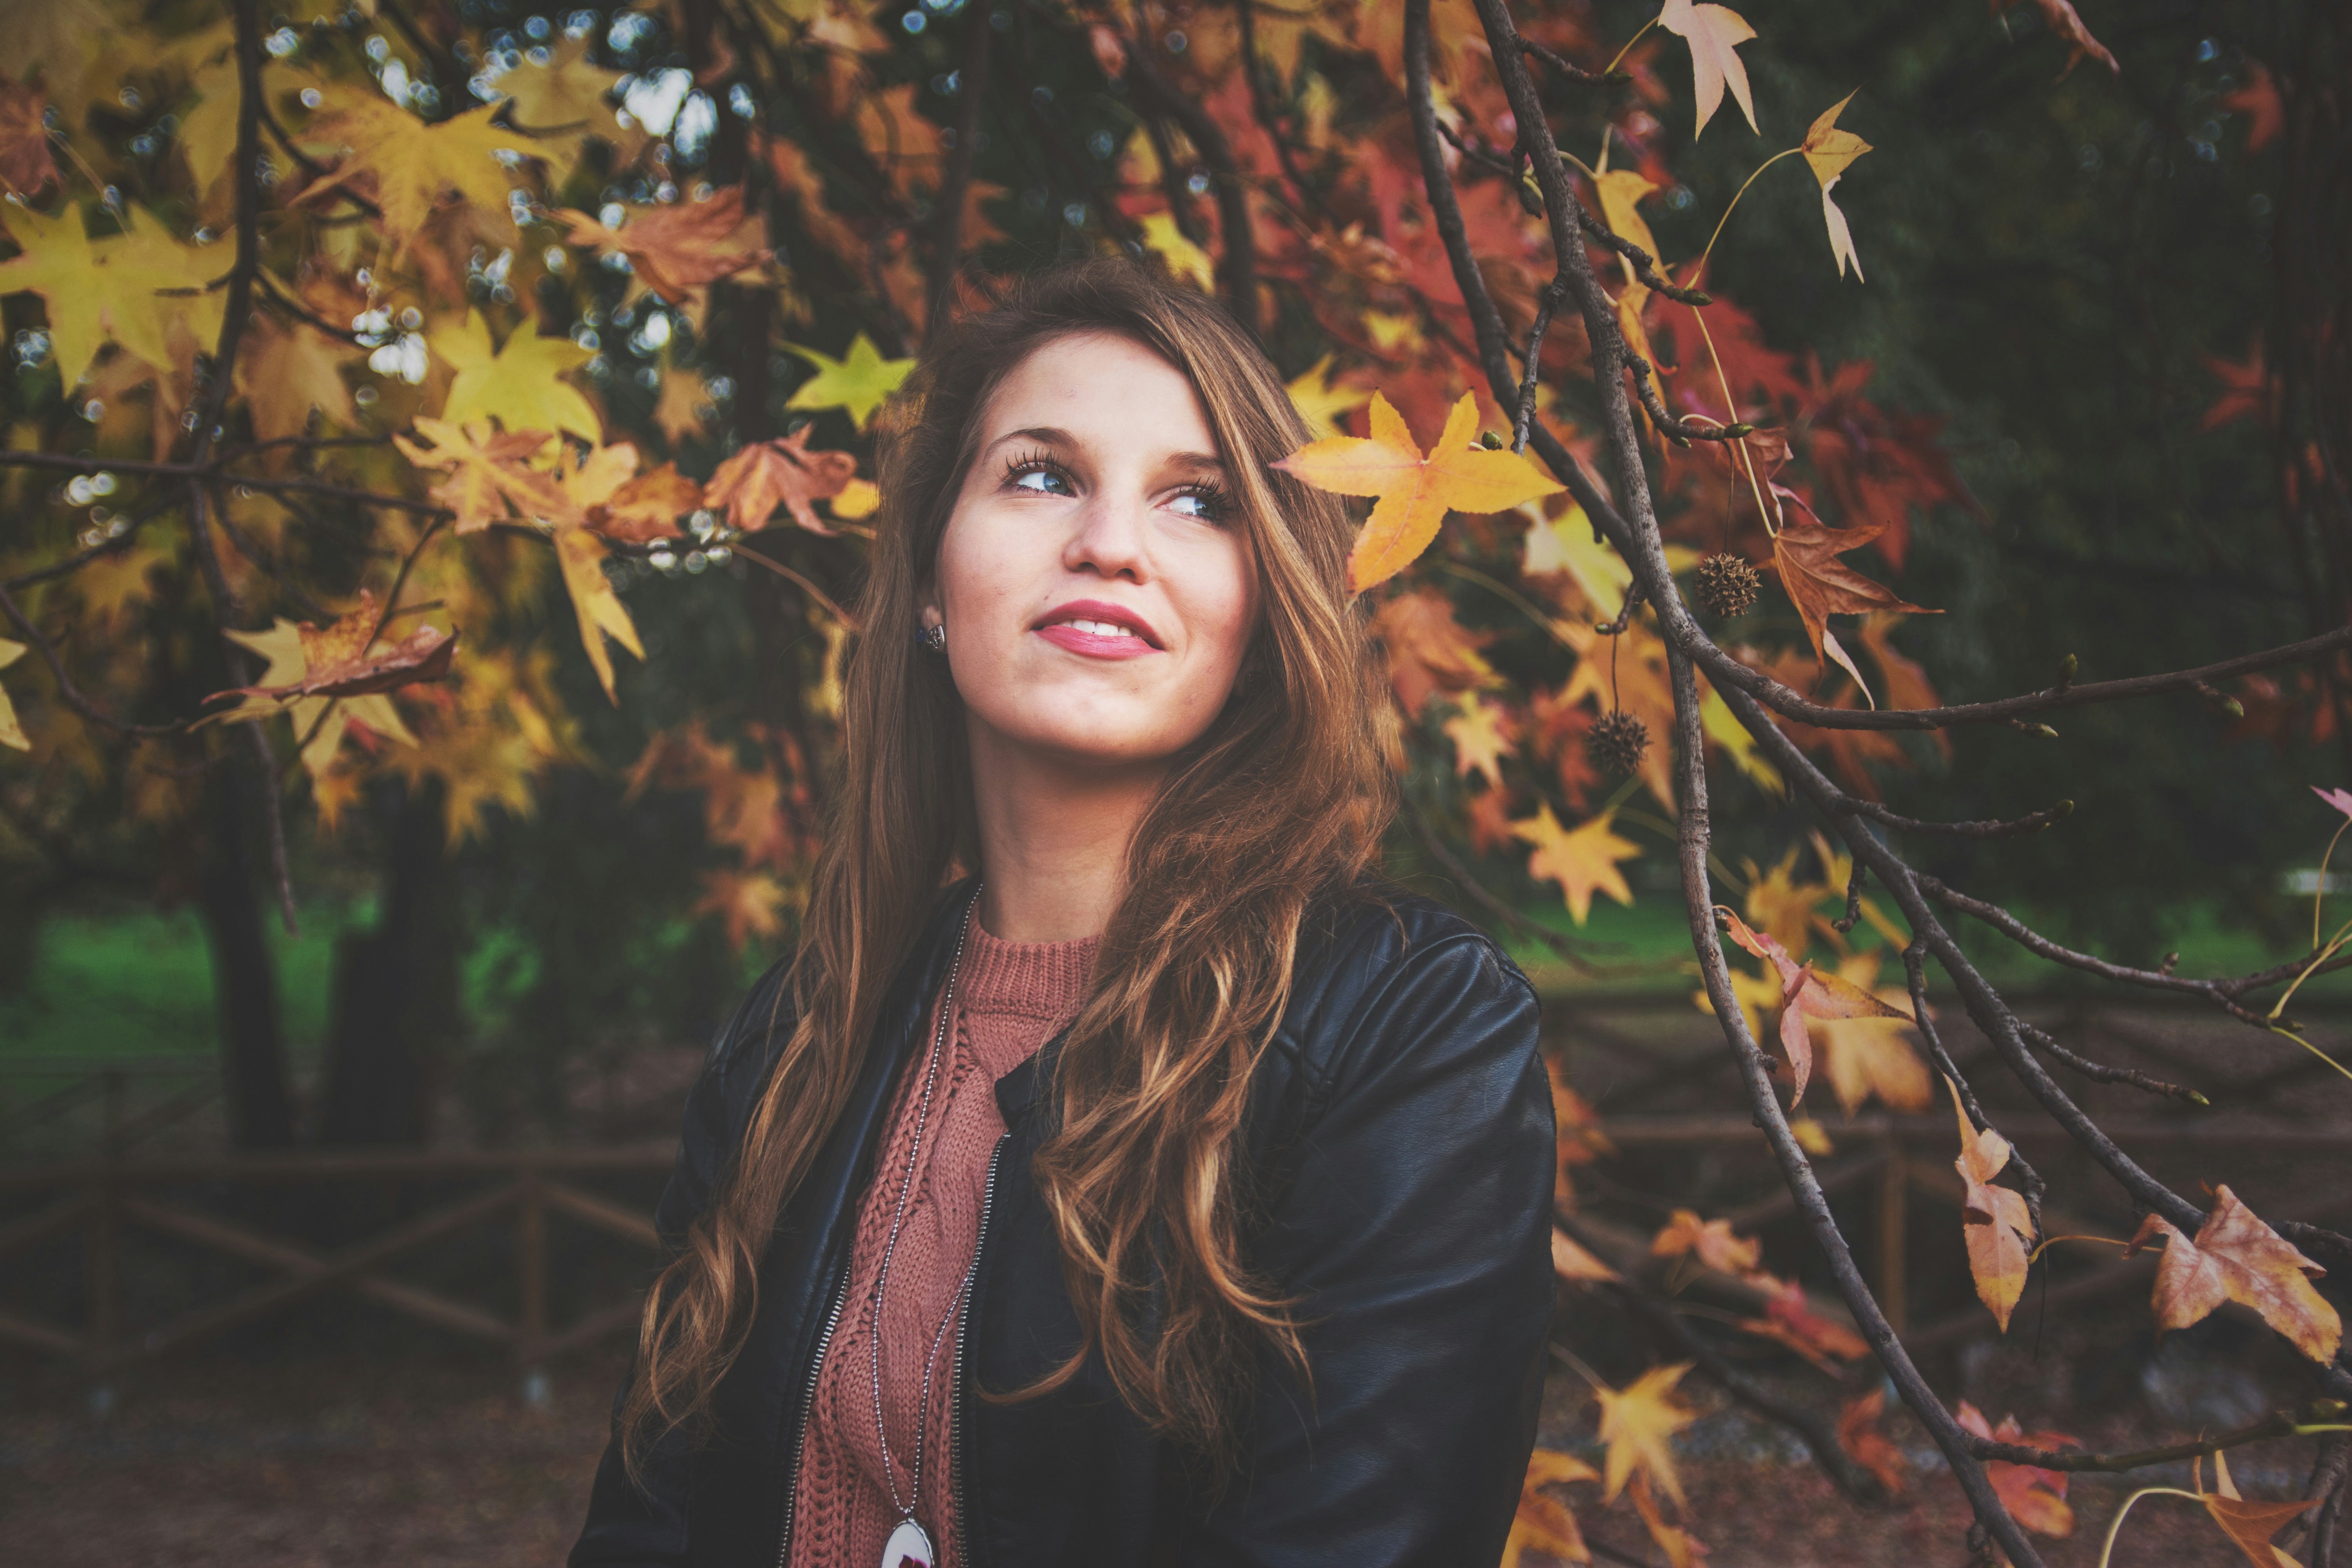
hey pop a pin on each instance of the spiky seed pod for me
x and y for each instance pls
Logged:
(1616, 741)
(1727, 587)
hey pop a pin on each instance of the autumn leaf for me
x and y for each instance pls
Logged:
(1828, 151)
(1683, 1549)
(1867, 1056)
(1866, 1445)
(1638, 1423)
(1571, 1261)
(1807, 994)
(1583, 862)
(486, 470)
(1482, 738)
(1185, 259)
(750, 484)
(1790, 1319)
(748, 903)
(1620, 190)
(677, 250)
(517, 382)
(2249, 1525)
(11, 733)
(1710, 1240)
(25, 167)
(338, 661)
(1428, 650)
(324, 721)
(1415, 492)
(647, 507)
(2258, 99)
(2237, 1257)
(288, 371)
(1320, 402)
(581, 554)
(412, 167)
(861, 382)
(54, 260)
(1995, 1220)
(563, 99)
(2065, 24)
(2035, 1497)
(1543, 1522)
(1714, 34)
(1820, 585)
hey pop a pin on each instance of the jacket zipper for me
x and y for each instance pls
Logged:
(808, 1414)
(964, 1336)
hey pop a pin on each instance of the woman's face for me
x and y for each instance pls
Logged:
(1096, 583)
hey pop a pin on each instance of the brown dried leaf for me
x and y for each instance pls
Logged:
(648, 507)
(2237, 1257)
(336, 662)
(25, 167)
(1820, 585)
(1995, 1220)
(678, 249)
(755, 481)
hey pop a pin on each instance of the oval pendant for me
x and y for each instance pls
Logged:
(908, 1547)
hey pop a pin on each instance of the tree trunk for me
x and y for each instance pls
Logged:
(244, 974)
(396, 999)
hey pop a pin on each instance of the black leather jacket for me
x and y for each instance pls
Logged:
(1401, 1136)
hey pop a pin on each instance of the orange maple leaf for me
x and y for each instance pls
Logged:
(2066, 25)
(2249, 1525)
(2237, 1257)
(2035, 1497)
(1820, 585)
(336, 662)
(486, 470)
(1806, 993)
(2248, 391)
(755, 481)
(1866, 1445)
(1790, 1319)
(2259, 101)
(677, 250)
(1683, 1549)
(1995, 1221)
(648, 507)
(1428, 650)
(1712, 1240)
(1415, 492)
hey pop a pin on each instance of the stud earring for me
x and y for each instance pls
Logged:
(934, 638)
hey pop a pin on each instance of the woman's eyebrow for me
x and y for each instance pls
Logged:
(1053, 435)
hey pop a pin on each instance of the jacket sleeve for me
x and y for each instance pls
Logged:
(1415, 1225)
(632, 1526)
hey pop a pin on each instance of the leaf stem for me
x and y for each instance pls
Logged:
(2319, 894)
(1700, 265)
(2107, 1551)
(1731, 413)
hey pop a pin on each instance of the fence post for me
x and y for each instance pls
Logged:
(1894, 1237)
(102, 1265)
(530, 1261)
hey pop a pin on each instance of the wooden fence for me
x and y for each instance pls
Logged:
(108, 1200)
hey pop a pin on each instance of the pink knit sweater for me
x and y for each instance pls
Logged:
(1010, 999)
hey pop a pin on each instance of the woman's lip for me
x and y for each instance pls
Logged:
(1094, 645)
(1100, 610)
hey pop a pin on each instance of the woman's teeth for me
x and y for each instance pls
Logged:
(1099, 628)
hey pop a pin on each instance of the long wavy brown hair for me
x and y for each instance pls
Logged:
(1282, 800)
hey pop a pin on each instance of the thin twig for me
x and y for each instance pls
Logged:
(2034, 823)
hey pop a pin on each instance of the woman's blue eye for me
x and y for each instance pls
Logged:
(1021, 481)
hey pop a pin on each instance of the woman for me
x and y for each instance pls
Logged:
(1245, 1257)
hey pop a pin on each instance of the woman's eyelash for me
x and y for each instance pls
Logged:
(1021, 462)
(1216, 505)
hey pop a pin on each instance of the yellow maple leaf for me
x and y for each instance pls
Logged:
(563, 99)
(11, 733)
(860, 381)
(602, 614)
(1320, 402)
(517, 382)
(414, 167)
(1582, 862)
(1415, 492)
(1481, 737)
(54, 260)
(323, 720)
(1638, 1422)
(1184, 259)
(1620, 190)
(1543, 1522)
(1828, 151)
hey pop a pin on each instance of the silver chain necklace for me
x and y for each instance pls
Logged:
(909, 1545)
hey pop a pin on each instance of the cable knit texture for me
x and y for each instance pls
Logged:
(1010, 999)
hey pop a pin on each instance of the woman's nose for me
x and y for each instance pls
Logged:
(1109, 539)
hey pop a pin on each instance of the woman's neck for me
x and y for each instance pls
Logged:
(1052, 841)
